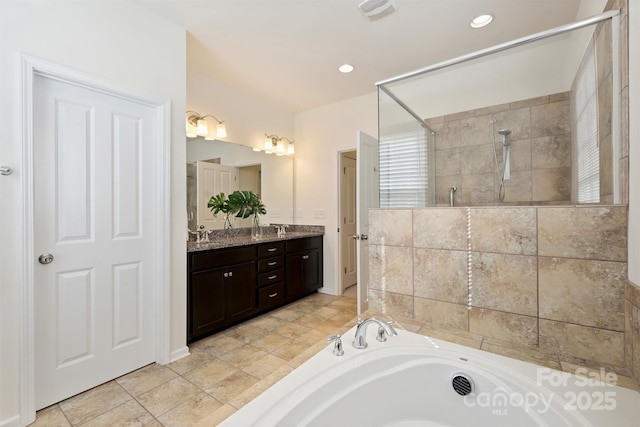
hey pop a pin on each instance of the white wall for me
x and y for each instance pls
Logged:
(320, 134)
(246, 117)
(114, 41)
(634, 141)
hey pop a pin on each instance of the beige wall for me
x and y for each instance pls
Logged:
(548, 278)
(93, 38)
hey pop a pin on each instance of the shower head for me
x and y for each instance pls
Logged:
(504, 132)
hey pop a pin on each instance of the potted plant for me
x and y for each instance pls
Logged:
(245, 204)
(218, 204)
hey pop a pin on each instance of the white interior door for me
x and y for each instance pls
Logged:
(348, 255)
(94, 187)
(213, 179)
(368, 196)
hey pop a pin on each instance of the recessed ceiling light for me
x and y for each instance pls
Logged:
(481, 21)
(345, 68)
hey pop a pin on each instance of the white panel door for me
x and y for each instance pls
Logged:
(213, 179)
(368, 196)
(348, 221)
(94, 181)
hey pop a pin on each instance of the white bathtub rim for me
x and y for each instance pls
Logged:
(269, 407)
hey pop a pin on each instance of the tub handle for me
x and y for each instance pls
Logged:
(337, 347)
(382, 336)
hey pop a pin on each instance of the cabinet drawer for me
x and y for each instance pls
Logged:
(270, 277)
(222, 257)
(304, 244)
(270, 249)
(270, 264)
(270, 296)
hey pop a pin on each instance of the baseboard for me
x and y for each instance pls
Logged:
(11, 422)
(178, 354)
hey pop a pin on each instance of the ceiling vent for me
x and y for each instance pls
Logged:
(376, 9)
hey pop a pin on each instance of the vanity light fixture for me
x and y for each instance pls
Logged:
(195, 120)
(481, 21)
(276, 144)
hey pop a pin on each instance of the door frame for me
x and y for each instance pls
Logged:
(31, 67)
(340, 227)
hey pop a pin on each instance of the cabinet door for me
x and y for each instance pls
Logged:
(304, 273)
(240, 286)
(294, 276)
(206, 300)
(312, 270)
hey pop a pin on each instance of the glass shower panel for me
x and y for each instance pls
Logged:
(406, 157)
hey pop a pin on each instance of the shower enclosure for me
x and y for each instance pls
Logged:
(535, 121)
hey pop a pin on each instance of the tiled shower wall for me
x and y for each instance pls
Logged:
(540, 153)
(549, 278)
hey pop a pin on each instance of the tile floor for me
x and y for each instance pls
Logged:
(222, 374)
(227, 370)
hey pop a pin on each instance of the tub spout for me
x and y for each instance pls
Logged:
(360, 338)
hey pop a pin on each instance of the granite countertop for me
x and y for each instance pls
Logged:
(220, 239)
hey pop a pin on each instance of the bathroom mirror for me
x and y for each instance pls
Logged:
(532, 123)
(268, 175)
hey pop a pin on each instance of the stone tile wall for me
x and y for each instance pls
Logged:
(632, 330)
(540, 153)
(548, 278)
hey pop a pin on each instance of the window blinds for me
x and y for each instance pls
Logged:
(403, 168)
(586, 106)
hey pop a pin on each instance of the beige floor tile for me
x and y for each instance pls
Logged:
(143, 380)
(246, 333)
(216, 417)
(292, 330)
(197, 357)
(287, 314)
(344, 304)
(305, 355)
(167, 396)
(97, 401)
(130, 413)
(268, 322)
(190, 411)
(313, 336)
(291, 350)
(243, 356)
(232, 386)
(271, 342)
(309, 320)
(259, 387)
(51, 416)
(220, 345)
(332, 327)
(326, 312)
(264, 366)
(207, 375)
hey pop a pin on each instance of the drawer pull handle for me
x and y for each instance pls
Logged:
(305, 257)
(271, 249)
(272, 277)
(273, 295)
(272, 263)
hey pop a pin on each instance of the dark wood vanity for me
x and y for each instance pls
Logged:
(227, 285)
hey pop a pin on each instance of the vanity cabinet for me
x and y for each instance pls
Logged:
(270, 275)
(304, 266)
(221, 289)
(230, 285)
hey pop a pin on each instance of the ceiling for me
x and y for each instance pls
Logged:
(287, 52)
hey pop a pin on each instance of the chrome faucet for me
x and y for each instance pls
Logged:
(360, 339)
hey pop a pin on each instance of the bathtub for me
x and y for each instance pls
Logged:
(409, 381)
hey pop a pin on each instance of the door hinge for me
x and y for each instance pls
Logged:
(344, 170)
(345, 270)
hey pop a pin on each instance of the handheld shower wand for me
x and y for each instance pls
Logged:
(506, 170)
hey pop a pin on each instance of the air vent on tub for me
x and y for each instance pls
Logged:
(462, 384)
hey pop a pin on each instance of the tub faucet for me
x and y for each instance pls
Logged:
(360, 339)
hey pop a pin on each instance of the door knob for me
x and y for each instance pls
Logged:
(45, 259)
(356, 237)
(364, 237)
